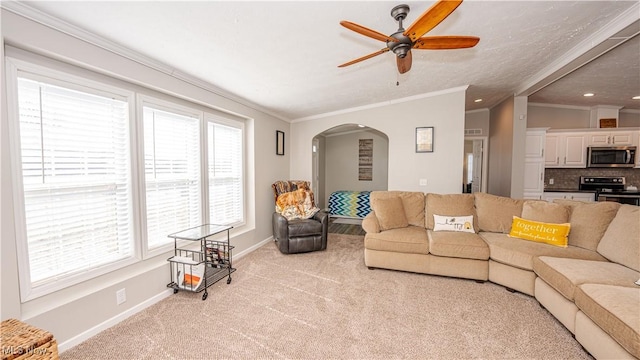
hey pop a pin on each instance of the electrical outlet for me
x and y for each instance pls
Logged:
(121, 296)
(551, 181)
(423, 182)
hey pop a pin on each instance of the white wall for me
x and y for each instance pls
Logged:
(557, 117)
(518, 148)
(501, 148)
(629, 118)
(76, 310)
(477, 119)
(398, 120)
(572, 117)
(341, 167)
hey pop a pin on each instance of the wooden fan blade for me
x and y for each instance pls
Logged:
(430, 18)
(364, 57)
(366, 31)
(404, 64)
(446, 42)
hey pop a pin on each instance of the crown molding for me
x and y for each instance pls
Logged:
(28, 12)
(561, 106)
(477, 111)
(618, 31)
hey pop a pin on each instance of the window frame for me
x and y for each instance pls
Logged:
(217, 119)
(142, 101)
(16, 68)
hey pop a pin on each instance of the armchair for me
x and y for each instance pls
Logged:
(299, 235)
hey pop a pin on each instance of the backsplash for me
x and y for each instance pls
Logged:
(567, 179)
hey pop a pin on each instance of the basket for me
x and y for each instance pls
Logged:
(23, 341)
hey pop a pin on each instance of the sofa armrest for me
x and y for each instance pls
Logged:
(370, 223)
(280, 227)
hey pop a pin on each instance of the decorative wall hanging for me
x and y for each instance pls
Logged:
(424, 139)
(365, 159)
(279, 142)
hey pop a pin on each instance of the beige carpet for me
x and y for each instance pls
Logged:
(328, 305)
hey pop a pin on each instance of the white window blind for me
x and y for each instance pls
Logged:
(76, 180)
(226, 201)
(172, 174)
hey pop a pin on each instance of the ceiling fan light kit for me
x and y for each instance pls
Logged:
(402, 41)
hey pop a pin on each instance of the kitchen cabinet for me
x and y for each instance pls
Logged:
(533, 179)
(579, 196)
(535, 144)
(636, 142)
(610, 138)
(534, 163)
(565, 150)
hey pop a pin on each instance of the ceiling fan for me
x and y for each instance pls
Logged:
(402, 41)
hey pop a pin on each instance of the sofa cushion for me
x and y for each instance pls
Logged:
(458, 245)
(390, 213)
(412, 201)
(495, 213)
(589, 221)
(449, 205)
(548, 233)
(520, 253)
(412, 239)
(453, 223)
(544, 211)
(621, 242)
(565, 275)
(615, 309)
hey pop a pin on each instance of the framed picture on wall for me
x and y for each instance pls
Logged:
(279, 142)
(424, 139)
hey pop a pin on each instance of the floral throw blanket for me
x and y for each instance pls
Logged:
(296, 204)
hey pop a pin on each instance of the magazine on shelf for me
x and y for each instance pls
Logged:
(216, 256)
(189, 273)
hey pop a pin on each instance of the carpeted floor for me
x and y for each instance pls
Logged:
(327, 304)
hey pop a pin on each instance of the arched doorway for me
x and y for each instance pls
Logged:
(339, 163)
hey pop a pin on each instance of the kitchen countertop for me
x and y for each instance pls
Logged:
(568, 190)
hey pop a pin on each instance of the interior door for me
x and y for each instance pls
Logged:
(476, 185)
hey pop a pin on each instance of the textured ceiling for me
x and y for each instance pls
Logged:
(283, 56)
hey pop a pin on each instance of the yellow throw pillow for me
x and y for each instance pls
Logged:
(548, 233)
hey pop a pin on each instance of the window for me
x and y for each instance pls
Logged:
(100, 180)
(172, 173)
(75, 183)
(226, 183)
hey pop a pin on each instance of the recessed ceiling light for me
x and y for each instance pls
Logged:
(477, 100)
(588, 94)
(636, 97)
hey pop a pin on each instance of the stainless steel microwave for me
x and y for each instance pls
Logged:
(611, 156)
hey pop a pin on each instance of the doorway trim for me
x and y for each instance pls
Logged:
(485, 158)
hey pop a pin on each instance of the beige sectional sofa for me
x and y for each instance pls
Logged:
(588, 285)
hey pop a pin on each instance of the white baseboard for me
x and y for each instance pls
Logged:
(62, 347)
(252, 248)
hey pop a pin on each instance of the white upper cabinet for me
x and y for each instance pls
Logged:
(535, 144)
(610, 138)
(566, 150)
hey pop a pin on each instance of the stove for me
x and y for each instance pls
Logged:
(610, 188)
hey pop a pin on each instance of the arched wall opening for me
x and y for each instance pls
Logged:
(349, 157)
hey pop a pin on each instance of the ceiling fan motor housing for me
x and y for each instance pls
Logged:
(402, 46)
(404, 43)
